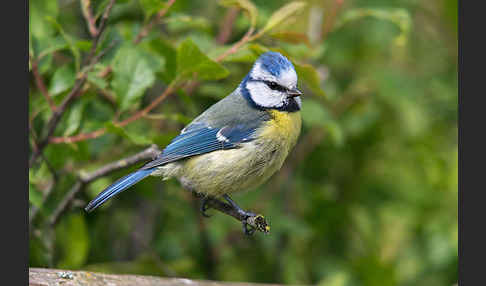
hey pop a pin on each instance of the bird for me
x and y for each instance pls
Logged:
(236, 144)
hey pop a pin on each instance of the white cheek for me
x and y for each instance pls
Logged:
(262, 95)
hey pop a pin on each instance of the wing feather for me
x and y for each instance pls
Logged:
(203, 140)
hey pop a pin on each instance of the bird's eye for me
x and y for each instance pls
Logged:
(275, 86)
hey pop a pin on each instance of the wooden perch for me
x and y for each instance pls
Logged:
(48, 277)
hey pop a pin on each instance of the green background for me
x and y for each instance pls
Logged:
(367, 197)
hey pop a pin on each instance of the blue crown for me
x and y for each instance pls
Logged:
(274, 63)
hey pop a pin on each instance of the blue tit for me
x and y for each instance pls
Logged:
(237, 143)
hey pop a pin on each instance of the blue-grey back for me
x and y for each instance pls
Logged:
(226, 124)
(233, 109)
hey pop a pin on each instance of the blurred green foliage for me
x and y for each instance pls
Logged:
(368, 196)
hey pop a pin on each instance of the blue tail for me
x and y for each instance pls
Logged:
(117, 187)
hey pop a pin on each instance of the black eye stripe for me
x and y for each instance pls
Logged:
(275, 86)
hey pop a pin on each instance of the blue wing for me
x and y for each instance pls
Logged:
(197, 141)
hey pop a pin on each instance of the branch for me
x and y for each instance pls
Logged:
(99, 132)
(85, 179)
(145, 30)
(78, 85)
(329, 23)
(227, 25)
(45, 276)
(88, 15)
(246, 38)
(249, 36)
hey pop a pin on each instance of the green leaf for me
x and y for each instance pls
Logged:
(137, 139)
(70, 40)
(62, 80)
(244, 55)
(399, 17)
(156, 61)
(74, 118)
(308, 74)
(54, 45)
(191, 60)
(282, 14)
(246, 5)
(41, 32)
(35, 196)
(73, 239)
(169, 53)
(97, 81)
(258, 49)
(150, 7)
(38, 11)
(132, 75)
(292, 37)
(180, 22)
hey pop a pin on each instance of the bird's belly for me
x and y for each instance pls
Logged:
(229, 171)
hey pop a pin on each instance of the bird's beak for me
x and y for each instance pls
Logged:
(294, 92)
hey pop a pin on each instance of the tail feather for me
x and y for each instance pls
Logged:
(117, 187)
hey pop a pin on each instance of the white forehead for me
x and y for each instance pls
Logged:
(287, 77)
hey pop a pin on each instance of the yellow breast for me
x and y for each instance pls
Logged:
(284, 127)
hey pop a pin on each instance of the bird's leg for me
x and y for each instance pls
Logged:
(205, 206)
(204, 202)
(245, 215)
(242, 212)
(249, 220)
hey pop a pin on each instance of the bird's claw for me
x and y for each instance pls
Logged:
(250, 222)
(205, 206)
(247, 230)
(255, 222)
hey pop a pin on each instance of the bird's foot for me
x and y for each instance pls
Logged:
(205, 202)
(205, 206)
(250, 221)
(255, 222)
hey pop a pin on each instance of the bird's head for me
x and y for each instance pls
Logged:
(272, 84)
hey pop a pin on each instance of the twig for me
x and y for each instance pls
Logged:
(99, 132)
(108, 96)
(40, 84)
(249, 36)
(246, 38)
(101, 28)
(78, 85)
(90, 19)
(329, 22)
(227, 25)
(146, 29)
(85, 179)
